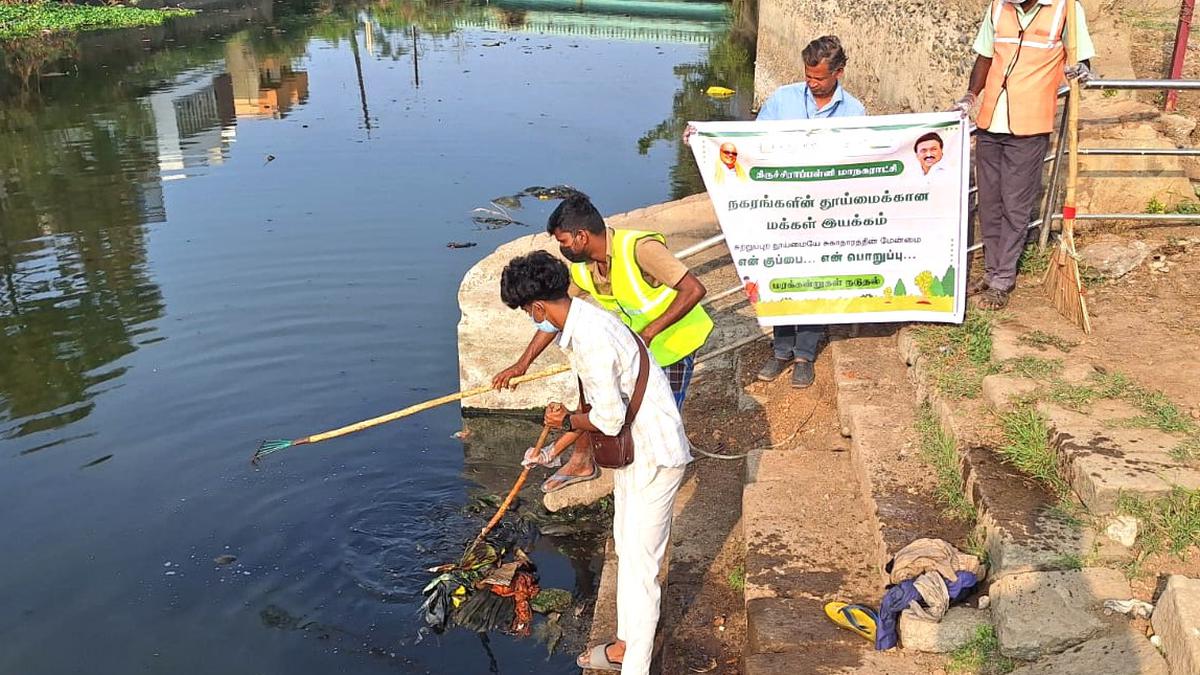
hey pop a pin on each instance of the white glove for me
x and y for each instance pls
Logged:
(1080, 72)
(964, 105)
(542, 457)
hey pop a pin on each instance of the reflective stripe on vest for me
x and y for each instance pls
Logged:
(1031, 60)
(637, 303)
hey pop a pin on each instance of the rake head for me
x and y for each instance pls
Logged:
(267, 447)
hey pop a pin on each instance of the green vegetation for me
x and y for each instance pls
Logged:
(1170, 523)
(939, 450)
(1027, 447)
(1068, 561)
(1034, 262)
(1033, 367)
(980, 656)
(976, 545)
(29, 19)
(1158, 411)
(737, 578)
(1040, 340)
(1156, 205)
(960, 356)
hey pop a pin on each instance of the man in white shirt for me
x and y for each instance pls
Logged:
(604, 354)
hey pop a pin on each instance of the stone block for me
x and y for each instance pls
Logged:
(1043, 613)
(999, 391)
(954, 630)
(1122, 651)
(1176, 620)
(1113, 256)
(580, 494)
(1006, 343)
(775, 625)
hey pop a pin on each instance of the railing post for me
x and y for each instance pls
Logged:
(1051, 199)
(1181, 42)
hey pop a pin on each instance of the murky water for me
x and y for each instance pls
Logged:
(234, 228)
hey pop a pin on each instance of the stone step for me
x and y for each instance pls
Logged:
(876, 404)
(1176, 620)
(1042, 613)
(1025, 530)
(956, 629)
(1121, 651)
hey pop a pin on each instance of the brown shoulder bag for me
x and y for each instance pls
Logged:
(615, 452)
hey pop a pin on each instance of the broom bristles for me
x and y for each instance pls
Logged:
(1064, 285)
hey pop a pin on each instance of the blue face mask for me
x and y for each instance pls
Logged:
(544, 325)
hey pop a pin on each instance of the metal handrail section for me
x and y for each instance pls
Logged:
(1184, 85)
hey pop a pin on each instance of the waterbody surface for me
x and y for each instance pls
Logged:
(234, 227)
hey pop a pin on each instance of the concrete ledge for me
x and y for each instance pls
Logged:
(1122, 651)
(955, 629)
(1177, 620)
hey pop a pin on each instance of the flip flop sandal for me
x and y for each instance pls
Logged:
(858, 619)
(564, 481)
(597, 659)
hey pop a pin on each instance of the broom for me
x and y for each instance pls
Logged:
(1062, 282)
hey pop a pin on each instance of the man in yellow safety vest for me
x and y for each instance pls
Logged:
(1020, 64)
(632, 274)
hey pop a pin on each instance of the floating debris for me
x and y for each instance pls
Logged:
(99, 460)
(461, 244)
(551, 600)
(720, 92)
(225, 559)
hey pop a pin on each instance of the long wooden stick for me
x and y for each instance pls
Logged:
(507, 500)
(268, 447)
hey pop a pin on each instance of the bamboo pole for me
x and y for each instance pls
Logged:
(507, 500)
(1062, 280)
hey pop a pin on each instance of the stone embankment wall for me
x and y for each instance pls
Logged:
(905, 55)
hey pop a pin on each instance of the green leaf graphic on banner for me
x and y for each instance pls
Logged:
(840, 282)
(808, 174)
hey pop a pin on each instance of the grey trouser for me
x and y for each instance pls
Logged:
(797, 342)
(1008, 171)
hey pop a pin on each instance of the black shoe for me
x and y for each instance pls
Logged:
(803, 375)
(773, 369)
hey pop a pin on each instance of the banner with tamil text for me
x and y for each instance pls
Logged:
(843, 220)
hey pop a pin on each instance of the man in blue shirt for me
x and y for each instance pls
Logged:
(819, 95)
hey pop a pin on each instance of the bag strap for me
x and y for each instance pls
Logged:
(639, 386)
(643, 376)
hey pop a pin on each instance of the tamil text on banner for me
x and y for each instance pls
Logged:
(843, 220)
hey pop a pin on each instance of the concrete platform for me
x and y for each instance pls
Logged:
(1042, 613)
(1177, 620)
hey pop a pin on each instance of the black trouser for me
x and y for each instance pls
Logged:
(1008, 173)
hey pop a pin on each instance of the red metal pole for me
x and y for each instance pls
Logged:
(1181, 42)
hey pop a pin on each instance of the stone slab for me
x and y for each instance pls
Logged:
(580, 494)
(1043, 613)
(955, 629)
(1102, 459)
(1122, 651)
(999, 391)
(1176, 620)
(775, 625)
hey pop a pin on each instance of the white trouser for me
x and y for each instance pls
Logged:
(641, 530)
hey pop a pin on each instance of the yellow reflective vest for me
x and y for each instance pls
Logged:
(637, 303)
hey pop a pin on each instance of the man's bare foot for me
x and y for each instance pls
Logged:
(579, 470)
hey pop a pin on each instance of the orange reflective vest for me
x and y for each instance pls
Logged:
(1028, 64)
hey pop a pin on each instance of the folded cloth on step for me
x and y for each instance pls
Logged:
(906, 595)
(936, 594)
(924, 555)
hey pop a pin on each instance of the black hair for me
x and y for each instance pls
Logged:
(575, 214)
(827, 48)
(931, 136)
(531, 277)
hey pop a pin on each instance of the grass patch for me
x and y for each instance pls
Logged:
(976, 545)
(1170, 523)
(980, 656)
(1040, 340)
(1067, 561)
(1027, 447)
(1033, 367)
(960, 356)
(940, 452)
(30, 19)
(1033, 261)
(737, 578)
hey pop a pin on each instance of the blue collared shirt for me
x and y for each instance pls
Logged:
(796, 102)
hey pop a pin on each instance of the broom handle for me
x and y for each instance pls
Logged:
(1072, 126)
(507, 500)
(432, 403)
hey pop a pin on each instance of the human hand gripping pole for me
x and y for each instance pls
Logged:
(537, 448)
